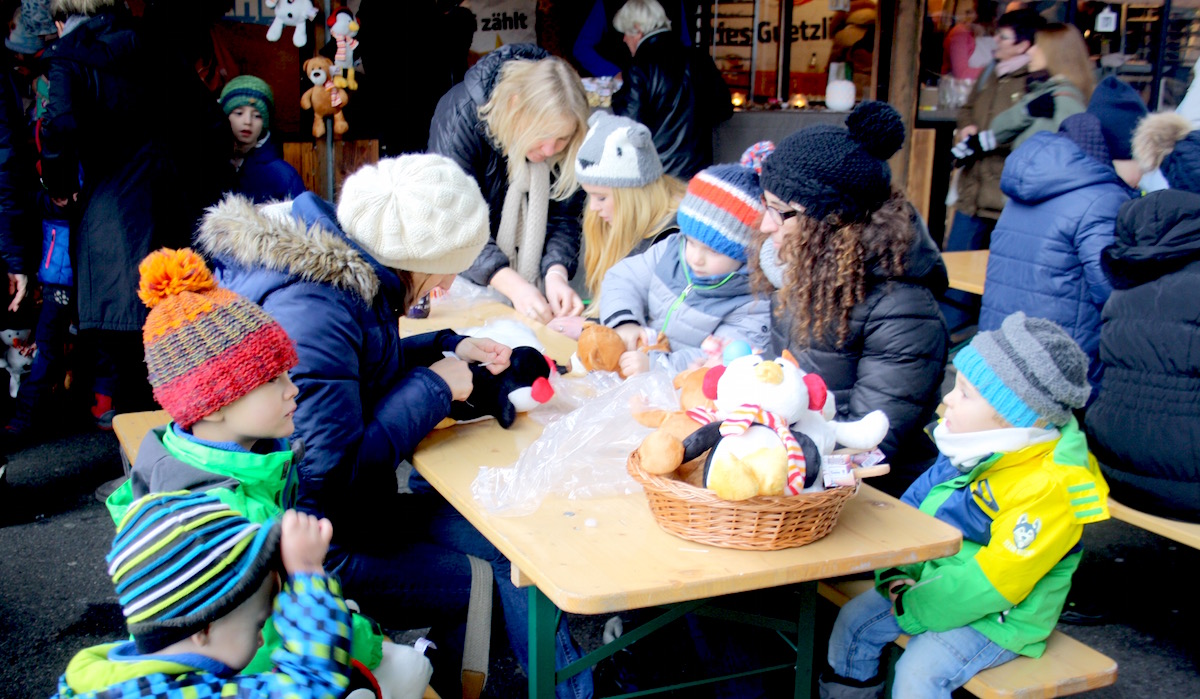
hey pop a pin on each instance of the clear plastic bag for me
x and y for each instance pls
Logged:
(582, 453)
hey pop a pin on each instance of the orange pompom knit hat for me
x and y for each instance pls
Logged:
(205, 346)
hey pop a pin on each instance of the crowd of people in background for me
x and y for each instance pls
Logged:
(118, 157)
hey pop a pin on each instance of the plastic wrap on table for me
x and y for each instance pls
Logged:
(581, 454)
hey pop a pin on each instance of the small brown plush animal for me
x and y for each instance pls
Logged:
(324, 98)
(600, 348)
(662, 450)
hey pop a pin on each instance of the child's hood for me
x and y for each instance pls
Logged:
(92, 671)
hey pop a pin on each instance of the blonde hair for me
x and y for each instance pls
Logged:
(640, 15)
(1067, 55)
(66, 8)
(638, 213)
(534, 101)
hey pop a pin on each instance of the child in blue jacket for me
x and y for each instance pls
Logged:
(1014, 474)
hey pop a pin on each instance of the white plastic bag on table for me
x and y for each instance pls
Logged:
(582, 454)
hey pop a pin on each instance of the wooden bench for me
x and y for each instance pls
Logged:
(130, 428)
(1187, 533)
(1067, 667)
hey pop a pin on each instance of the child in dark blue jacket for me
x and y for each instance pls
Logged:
(259, 171)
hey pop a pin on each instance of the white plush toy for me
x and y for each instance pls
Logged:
(343, 28)
(17, 357)
(291, 13)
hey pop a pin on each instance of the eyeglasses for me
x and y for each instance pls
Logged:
(779, 215)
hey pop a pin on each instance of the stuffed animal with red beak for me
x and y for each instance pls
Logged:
(524, 385)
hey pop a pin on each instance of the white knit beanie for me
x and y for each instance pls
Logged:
(418, 213)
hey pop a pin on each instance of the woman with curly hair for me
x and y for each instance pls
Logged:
(855, 273)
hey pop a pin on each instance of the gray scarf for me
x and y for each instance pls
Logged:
(522, 233)
(771, 266)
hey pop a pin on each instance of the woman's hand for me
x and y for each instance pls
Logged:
(17, 284)
(488, 352)
(634, 363)
(562, 298)
(525, 297)
(457, 375)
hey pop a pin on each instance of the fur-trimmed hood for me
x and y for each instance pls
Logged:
(271, 236)
(1156, 136)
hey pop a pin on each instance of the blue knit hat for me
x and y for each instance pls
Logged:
(33, 24)
(182, 560)
(722, 209)
(1119, 108)
(1030, 371)
(1088, 133)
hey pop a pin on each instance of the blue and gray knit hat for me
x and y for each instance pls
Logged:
(1030, 371)
(182, 560)
(722, 209)
(617, 152)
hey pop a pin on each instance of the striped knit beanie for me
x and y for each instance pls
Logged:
(205, 346)
(722, 209)
(1030, 371)
(247, 90)
(182, 560)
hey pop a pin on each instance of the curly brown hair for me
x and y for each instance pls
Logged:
(827, 262)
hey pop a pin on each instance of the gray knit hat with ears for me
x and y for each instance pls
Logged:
(617, 152)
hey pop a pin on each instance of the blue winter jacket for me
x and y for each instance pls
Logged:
(1045, 251)
(264, 176)
(367, 397)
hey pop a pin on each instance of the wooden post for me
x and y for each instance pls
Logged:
(903, 84)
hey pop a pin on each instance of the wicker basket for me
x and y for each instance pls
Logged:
(763, 523)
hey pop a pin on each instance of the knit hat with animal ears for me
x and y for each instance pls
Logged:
(617, 152)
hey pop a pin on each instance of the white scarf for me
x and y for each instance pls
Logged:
(522, 231)
(966, 449)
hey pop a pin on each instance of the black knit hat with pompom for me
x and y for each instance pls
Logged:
(838, 169)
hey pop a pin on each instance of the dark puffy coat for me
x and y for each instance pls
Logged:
(18, 230)
(680, 96)
(458, 134)
(1045, 252)
(1145, 425)
(264, 176)
(979, 182)
(153, 146)
(893, 360)
(366, 397)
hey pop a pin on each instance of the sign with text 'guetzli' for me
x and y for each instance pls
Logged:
(499, 22)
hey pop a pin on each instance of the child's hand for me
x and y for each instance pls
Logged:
(634, 363)
(630, 334)
(898, 586)
(486, 351)
(303, 542)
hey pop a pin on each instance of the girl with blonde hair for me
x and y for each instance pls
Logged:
(631, 203)
(1059, 85)
(515, 123)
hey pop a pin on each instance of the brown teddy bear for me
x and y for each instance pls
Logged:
(600, 348)
(324, 98)
(661, 451)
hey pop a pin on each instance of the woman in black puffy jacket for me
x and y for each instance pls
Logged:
(855, 274)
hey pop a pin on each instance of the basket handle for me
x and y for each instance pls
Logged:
(871, 471)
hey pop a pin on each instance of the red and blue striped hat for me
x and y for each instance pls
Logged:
(722, 209)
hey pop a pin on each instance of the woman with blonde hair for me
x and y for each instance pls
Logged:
(1059, 85)
(631, 203)
(515, 124)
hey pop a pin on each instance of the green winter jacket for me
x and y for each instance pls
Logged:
(1014, 125)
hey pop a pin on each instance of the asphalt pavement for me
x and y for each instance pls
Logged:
(56, 598)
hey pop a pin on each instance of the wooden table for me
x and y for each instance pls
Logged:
(626, 562)
(130, 428)
(967, 269)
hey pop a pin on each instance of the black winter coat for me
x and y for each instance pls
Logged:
(892, 361)
(18, 232)
(1144, 427)
(680, 96)
(153, 148)
(459, 134)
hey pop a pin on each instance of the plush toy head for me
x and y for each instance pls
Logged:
(524, 385)
(600, 348)
(341, 22)
(318, 69)
(776, 385)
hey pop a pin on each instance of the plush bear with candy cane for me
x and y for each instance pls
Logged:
(772, 428)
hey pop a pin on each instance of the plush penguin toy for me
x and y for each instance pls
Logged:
(521, 387)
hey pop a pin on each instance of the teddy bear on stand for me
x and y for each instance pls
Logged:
(291, 13)
(324, 98)
(343, 27)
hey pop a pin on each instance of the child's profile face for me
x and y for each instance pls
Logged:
(967, 411)
(264, 413)
(706, 262)
(600, 200)
(247, 125)
(237, 636)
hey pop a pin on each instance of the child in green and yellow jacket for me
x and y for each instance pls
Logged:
(1015, 476)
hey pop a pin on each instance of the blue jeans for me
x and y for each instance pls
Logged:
(961, 308)
(934, 664)
(424, 579)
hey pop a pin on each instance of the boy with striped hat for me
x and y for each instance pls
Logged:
(694, 284)
(196, 581)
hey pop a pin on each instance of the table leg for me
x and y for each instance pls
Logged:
(543, 622)
(806, 633)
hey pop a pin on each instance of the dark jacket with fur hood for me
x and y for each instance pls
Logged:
(1145, 425)
(458, 133)
(367, 397)
(893, 359)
